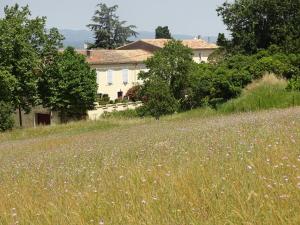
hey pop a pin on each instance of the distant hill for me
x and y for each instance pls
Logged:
(77, 38)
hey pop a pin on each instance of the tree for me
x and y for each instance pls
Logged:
(109, 31)
(7, 86)
(162, 33)
(69, 85)
(258, 24)
(26, 47)
(158, 99)
(172, 64)
(6, 120)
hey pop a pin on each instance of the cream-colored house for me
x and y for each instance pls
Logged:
(117, 70)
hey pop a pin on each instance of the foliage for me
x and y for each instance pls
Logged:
(158, 99)
(133, 94)
(126, 114)
(102, 99)
(109, 31)
(225, 78)
(26, 46)
(172, 65)
(7, 86)
(162, 33)
(6, 120)
(69, 85)
(259, 24)
(294, 83)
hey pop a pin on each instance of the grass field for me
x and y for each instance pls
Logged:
(186, 169)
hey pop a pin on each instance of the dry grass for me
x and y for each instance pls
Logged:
(237, 169)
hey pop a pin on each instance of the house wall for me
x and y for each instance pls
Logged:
(117, 84)
(202, 55)
(100, 110)
(30, 120)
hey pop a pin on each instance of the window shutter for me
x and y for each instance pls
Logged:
(125, 76)
(109, 77)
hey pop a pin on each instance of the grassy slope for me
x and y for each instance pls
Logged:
(270, 92)
(237, 169)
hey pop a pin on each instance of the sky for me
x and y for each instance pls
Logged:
(191, 17)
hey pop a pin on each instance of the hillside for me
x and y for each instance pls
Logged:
(77, 38)
(236, 169)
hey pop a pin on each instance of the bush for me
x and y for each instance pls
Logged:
(6, 120)
(133, 94)
(126, 114)
(158, 99)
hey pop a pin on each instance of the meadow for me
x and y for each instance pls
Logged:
(195, 168)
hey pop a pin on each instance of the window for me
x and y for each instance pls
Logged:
(109, 77)
(125, 76)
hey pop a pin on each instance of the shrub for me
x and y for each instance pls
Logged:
(6, 120)
(129, 113)
(133, 94)
(159, 100)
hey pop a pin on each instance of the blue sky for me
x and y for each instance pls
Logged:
(191, 17)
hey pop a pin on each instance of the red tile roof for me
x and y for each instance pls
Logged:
(104, 57)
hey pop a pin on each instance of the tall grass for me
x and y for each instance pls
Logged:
(269, 92)
(236, 169)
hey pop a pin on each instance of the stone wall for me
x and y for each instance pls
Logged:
(101, 109)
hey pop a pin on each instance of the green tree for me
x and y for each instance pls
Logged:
(173, 65)
(158, 99)
(6, 120)
(162, 33)
(109, 31)
(69, 85)
(26, 47)
(7, 87)
(258, 24)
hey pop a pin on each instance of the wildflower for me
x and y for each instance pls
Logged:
(284, 196)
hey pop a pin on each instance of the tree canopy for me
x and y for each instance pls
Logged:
(69, 85)
(259, 24)
(162, 33)
(109, 31)
(170, 66)
(26, 47)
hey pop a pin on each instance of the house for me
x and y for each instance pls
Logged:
(201, 49)
(117, 70)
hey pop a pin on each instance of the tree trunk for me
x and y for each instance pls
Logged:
(20, 117)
